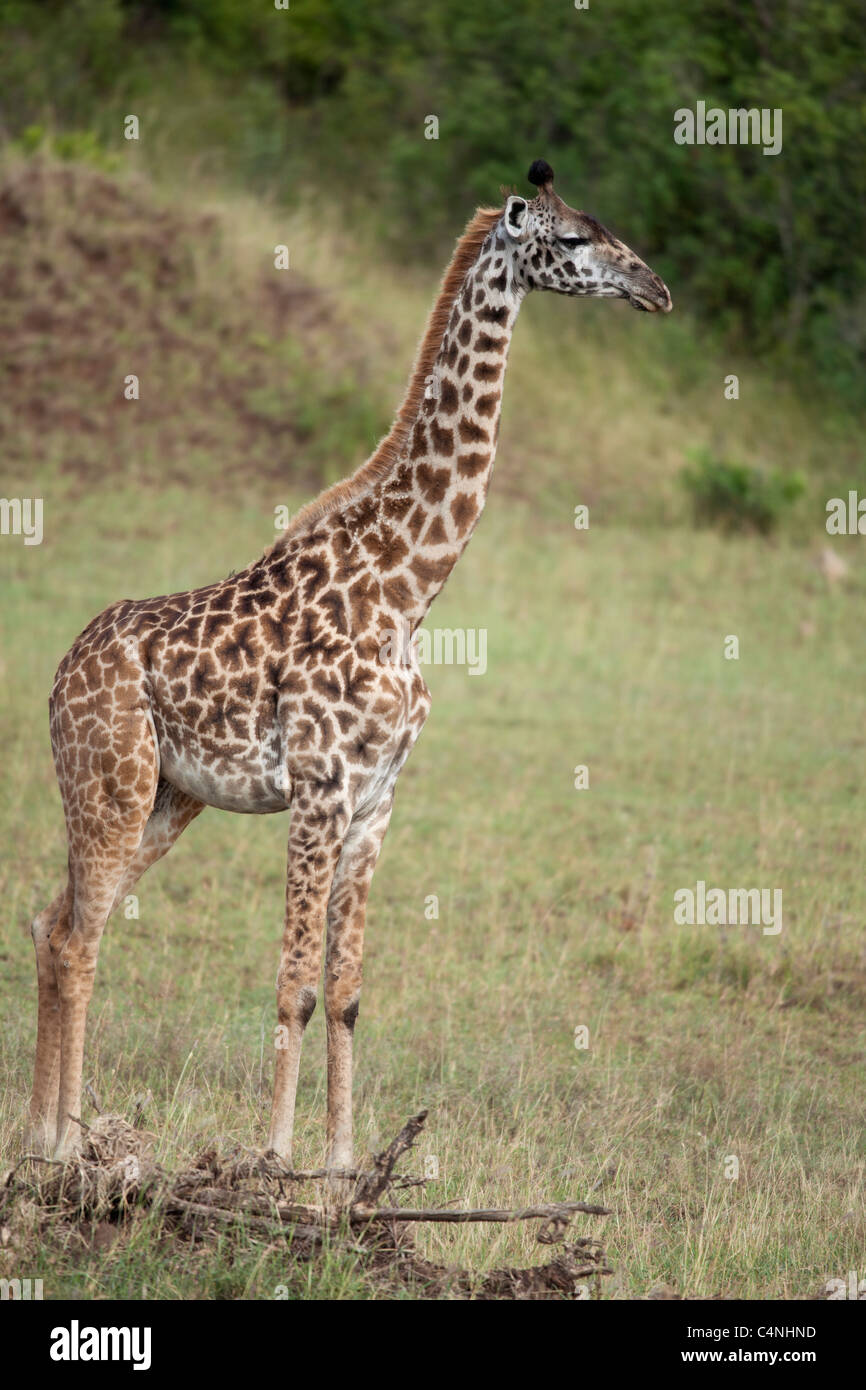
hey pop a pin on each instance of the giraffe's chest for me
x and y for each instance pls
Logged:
(356, 747)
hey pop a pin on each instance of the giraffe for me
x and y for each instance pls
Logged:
(268, 691)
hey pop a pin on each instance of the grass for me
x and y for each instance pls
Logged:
(555, 906)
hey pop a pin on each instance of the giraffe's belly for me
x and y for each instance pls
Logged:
(246, 785)
(247, 775)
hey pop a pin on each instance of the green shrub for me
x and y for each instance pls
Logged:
(76, 146)
(736, 496)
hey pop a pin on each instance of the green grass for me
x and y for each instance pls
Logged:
(555, 909)
(605, 648)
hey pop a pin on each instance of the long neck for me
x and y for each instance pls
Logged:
(430, 498)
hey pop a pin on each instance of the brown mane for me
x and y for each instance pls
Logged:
(390, 448)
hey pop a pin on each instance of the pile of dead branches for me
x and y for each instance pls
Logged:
(115, 1174)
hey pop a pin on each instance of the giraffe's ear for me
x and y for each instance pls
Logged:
(516, 217)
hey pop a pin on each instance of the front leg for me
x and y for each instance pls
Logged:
(347, 910)
(315, 843)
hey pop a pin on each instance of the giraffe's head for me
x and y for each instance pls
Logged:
(556, 248)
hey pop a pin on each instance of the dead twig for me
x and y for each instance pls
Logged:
(372, 1185)
(8, 1189)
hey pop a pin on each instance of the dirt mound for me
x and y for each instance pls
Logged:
(100, 280)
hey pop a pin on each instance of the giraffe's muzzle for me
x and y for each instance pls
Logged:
(652, 296)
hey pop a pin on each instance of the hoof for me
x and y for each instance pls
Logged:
(338, 1193)
(39, 1139)
(339, 1187)
(283, 1156)
(69, 1145)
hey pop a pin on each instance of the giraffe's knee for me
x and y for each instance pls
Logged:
(74, 959)
(350, 1013)
(40, 932)
(295, 1005)
(45, 922)
(306, 1004)
(57, 938)
(342, 1002)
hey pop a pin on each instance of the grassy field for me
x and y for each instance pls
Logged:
(605, 648)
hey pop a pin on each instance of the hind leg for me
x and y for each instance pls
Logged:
(46, 1071)
(172, 812)
(106, 867)
(107, 770)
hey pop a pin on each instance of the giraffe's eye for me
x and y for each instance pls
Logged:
(572, 241)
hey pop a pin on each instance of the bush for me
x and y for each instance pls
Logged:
(736, 496)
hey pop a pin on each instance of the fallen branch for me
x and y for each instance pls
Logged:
(555, 1211)
(175, 1205)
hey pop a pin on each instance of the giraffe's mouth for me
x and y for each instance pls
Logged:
(658, 301)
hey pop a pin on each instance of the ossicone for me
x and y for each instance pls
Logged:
(540, 173)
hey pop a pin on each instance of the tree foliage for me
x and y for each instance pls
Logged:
(770, 250)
